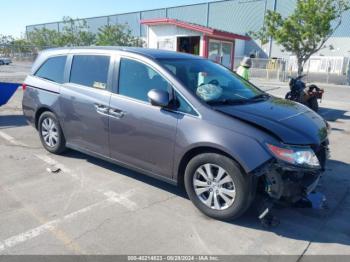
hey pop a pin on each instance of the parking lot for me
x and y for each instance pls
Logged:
(93, 207)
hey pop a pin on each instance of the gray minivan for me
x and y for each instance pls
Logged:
(179, 118)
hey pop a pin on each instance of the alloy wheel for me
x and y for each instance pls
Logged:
(49, 132)
(214, 187)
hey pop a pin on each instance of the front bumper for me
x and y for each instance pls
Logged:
(290, 183)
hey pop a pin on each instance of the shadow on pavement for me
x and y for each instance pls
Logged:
(332, 115)
(296, 223)
(10, 121)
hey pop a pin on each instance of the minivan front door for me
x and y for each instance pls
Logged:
(141, 135)
(84, 103)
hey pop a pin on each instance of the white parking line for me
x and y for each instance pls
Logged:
(11, 139)
(113, 198)
(48, 160)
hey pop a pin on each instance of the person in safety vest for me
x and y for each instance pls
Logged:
(243, 69)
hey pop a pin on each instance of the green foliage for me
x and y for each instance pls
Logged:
(75, 32)
(21, 46)
(260, 35)
(45, 38)
(116, 35)
(10, 45)
(307, 29)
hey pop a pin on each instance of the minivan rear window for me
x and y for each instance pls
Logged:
(53, 69)
(90, 70)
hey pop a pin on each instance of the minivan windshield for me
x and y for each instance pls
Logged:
(212, 82)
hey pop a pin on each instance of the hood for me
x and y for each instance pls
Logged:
(291, 122)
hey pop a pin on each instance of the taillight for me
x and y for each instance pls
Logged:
(24, 86)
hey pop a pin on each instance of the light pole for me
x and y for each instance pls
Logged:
(271, 39)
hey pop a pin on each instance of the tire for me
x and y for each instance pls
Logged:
(241, 185)
(2, 63)
(313, 103)
(54, 141)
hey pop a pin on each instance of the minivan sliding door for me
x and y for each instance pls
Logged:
(85, 101)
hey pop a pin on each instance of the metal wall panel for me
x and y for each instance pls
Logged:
(113, 19)
(158, 13)
(95, 23)
(52, 26)
(237, 16)
(196, 14)
(132, 20)
(30, 28)
(285, 7)
(61, 26)
(344, 29)
(39, 26)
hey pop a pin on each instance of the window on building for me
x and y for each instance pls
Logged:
(53, 69)
(90, 70)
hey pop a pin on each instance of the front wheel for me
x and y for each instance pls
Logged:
(51, 134)
(217, 186)
(288, 96)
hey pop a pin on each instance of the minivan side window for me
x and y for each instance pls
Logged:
(53, 69)
(90, 70)
(137, 79)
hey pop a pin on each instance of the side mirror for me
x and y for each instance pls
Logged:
(158, 97)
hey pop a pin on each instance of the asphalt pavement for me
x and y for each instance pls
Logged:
(89, 206)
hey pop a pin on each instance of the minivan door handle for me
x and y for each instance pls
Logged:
(116, 113)
(103, 109)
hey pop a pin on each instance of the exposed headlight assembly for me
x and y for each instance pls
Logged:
(299, 156)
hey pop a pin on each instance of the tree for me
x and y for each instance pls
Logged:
(21, 46)
(116, 35)
(76, 33)
(45, 38)
(5, 42)
(306, 30)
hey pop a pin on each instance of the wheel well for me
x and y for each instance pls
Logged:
(38, 114)
(191, 154)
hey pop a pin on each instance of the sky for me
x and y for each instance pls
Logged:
(16, 14)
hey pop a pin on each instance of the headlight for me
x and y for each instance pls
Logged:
(296, 156)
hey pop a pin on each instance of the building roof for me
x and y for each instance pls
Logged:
(194, 27)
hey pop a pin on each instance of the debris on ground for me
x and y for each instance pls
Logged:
(53, 170)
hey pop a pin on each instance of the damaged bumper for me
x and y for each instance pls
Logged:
(290, 183)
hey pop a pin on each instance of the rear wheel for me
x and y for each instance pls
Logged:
(217, 186)
(50, 133)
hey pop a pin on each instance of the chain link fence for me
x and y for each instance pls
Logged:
(23, 53)
(269, 69)
(330, 70)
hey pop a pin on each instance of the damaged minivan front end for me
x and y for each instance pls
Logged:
(297, 143)
(294, 172)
